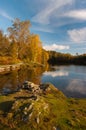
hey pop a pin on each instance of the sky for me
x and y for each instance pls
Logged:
(61, 24)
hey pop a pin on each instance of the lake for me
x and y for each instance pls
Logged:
(70, 79)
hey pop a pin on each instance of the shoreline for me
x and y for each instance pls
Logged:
(8, 68)
(41, 107)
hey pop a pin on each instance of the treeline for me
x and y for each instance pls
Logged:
(19, 44)
(56, 58)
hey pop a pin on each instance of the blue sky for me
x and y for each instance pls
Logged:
(61, 24)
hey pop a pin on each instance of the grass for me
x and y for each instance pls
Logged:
(52, 109)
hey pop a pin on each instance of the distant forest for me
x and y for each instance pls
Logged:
(56, 58)
(20, 45)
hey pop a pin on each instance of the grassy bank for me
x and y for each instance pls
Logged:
(46, 109)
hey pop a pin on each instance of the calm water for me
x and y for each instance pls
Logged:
(71, 80)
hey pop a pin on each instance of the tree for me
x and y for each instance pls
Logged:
(45, 56)
(4, 44)
(35, 49)
(13, 50)
(20, 33)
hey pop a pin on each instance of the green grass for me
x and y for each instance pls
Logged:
(52, 109)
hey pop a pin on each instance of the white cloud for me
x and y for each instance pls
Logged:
(46, 13)
(56, 73)
(4, 14)
(77, 35)
(77, 14)
(55, 47)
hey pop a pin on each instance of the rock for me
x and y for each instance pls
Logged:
(54, 128)
(37, 120)
(44, 86)
(47, 88)
(30, 115)
(6, 91)
(30, 86)
(30, 107)
(25, 118)
(27, 85)
(25, 112)
(25, 108)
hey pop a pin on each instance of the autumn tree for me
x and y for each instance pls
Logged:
(20, 33)
(13, 50)
(4, 44)
(28, 46)
(35, 49)
(45, 56)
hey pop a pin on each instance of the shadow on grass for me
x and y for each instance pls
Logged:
(6, 106)
(24, 98)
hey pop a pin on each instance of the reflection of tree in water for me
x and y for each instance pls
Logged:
(9, 80)
(32, 75)
(17, 77)
(3, 80)
(14, 78)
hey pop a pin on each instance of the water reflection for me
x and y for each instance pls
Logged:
(9, 80)
(77, 86)
(69, 79)
(16, 78)
(56, 73)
